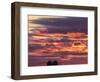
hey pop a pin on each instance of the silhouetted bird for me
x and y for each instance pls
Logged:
(55, 63)
(49, 63)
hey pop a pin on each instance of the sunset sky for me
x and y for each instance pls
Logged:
(57, 38)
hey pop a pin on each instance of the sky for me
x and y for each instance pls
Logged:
(60, 38)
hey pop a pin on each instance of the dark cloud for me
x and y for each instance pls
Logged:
(65, 24)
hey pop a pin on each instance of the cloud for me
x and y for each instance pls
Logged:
(65, 24)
